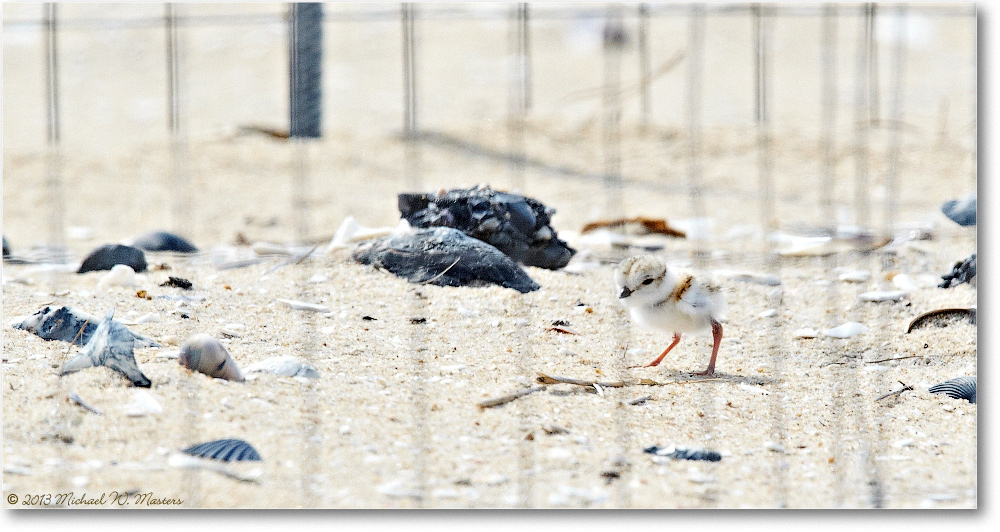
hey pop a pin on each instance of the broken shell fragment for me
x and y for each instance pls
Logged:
(957, 388)
(111, 346)
(847, 330)
(284, 366)
(207, 355)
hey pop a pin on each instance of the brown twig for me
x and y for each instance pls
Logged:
(548, 379)
(906, 387)
(78, 333)
(490, 403)
(888, 359)
(639, 400)
(444, 271)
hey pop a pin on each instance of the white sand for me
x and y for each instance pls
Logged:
(393, 421)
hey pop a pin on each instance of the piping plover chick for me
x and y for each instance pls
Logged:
(670, 301)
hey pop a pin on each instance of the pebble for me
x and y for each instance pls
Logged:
(205, 354)
(302, 305)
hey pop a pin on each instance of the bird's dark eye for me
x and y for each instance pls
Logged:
(647, 281)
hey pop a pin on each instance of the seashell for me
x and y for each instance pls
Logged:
(143, 404)
(351, 232)
(683, 453)
(302, 305)
(105, 257)
(919, 321)
(847, 330)
(445, 257)
(163, 241)
(957, 388)
(878, 296)
(852, 276)
(284, 366)
(111, 346)
(120, 275)
(805, 333)
(207, 355)
(226, 450)
(65, 323)
(904, 282)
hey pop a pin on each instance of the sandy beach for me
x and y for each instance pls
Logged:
(393, 421)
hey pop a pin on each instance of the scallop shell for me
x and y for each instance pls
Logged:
(204, 353)
(957, 388)
(227, 450)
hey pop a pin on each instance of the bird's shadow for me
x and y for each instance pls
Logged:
(684, 377)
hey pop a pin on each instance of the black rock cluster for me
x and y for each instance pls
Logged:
(964, 271)
(516, 225)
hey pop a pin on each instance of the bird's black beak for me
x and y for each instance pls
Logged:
(625, 293)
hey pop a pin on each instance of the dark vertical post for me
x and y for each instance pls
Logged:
(524, 53)
(306, 70)
(612, 107)
(180, 202)
(53, 164)
(644, 70)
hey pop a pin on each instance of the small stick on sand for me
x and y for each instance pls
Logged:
(490, 403)
(78, 333)
(74, 397)
(548, 379)
(888, 359)
(639, 400)
(444, 271)
(906, 387)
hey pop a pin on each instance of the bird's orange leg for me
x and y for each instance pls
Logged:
(717, 336)
(677, 339)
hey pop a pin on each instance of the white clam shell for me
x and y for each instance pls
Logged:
(853, 276)
(143, 404)
(878, 295)
(120, 275)
(805, 332)
(847, 330)
(284, 366)
(207, 355)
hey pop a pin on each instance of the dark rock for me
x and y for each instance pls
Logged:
(227, 450)
(65, 323)
(164, 241)
(961, 212)
(957, 388)
(105, 257)
(6, 248)
(444, 257)
(517, 226)
(111, 346)
(178, 282)
(964, 271)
